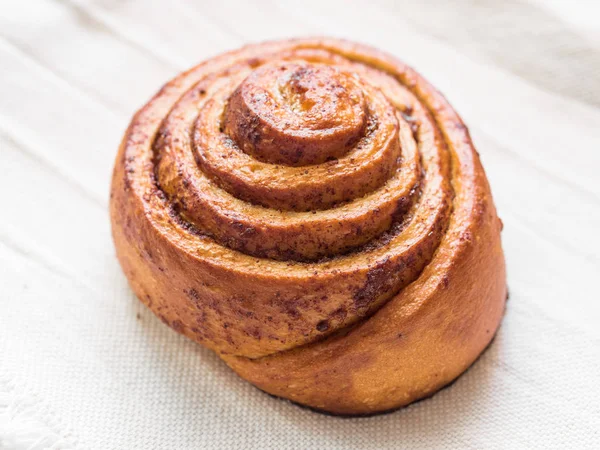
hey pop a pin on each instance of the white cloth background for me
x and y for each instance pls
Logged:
(84, 366)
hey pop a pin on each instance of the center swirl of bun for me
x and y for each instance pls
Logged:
(297, 114)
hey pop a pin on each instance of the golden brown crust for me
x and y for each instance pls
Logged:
(313, 211)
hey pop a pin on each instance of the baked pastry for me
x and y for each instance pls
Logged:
(313, 211)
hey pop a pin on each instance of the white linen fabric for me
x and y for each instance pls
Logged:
(83, 365)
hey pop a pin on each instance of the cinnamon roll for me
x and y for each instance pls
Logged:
(313, 211)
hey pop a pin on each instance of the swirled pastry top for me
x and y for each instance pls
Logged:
(305, 187)
(315, 212)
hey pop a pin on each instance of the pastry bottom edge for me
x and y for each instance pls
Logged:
(395, 409)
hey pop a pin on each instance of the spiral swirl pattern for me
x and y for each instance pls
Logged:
(272, 202)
